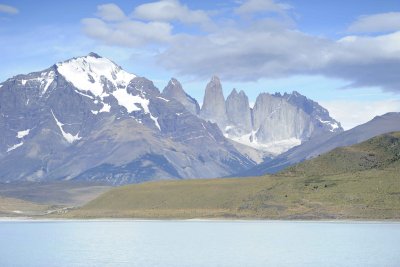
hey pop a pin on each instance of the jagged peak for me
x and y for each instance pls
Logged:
(215, 79)
(213, 89)
(295, 93)
(241, 92)
(235, 93)
(174, 87)
(93, 54)
(173, 81)
(215, 82)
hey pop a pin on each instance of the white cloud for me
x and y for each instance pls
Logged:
(383, 22)
(256, 6)
(262, 50)
(353, 113)
(264, 47)
(170, 10)
(265, 50)
(110, 12)
(127, 33)
(149, 24)
(8, 9)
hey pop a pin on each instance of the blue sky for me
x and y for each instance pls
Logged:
(343, 54)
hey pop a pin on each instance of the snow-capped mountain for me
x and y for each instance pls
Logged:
(86, 118)
(275, 124)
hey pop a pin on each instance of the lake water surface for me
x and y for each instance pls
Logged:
(199, 243)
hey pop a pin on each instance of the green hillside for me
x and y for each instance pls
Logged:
(380, 152)
(358, 182)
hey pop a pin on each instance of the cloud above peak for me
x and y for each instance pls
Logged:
(239, 49)
(8, 9)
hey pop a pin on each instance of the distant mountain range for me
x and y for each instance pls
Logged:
(386, 123)
(87, 119)
(275, 123)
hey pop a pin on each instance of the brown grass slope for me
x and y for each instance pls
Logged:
(12, 207)
(358, 182)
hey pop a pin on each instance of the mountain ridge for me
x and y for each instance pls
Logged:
(60, 124)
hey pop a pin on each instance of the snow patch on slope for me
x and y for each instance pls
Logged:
(162, 98)
(155, 119)
(22, 134)
(69, 137)
(130, 101)
(106, 108)
(333, 125)
(276, 148)
(15, 146)
(45, 80)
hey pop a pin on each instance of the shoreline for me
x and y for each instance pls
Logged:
(222, 220)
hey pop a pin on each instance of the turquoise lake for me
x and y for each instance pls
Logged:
(199, 243)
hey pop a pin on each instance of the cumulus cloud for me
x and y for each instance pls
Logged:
(383, 22)
(148, 24)
(8, 9)
(263, 50)
(110, 12)
(170, 10)
(354, 113)
(264, 47)
(127, 33)
(257, 6)
(367, 61)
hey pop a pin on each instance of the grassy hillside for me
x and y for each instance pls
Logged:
(380, 152)
(358, 182)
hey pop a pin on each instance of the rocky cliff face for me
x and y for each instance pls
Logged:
(88, 119)
(276, 122)
(275, 119)
(238, 113)
(174, 90)
(320, 117)
(213, 108)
